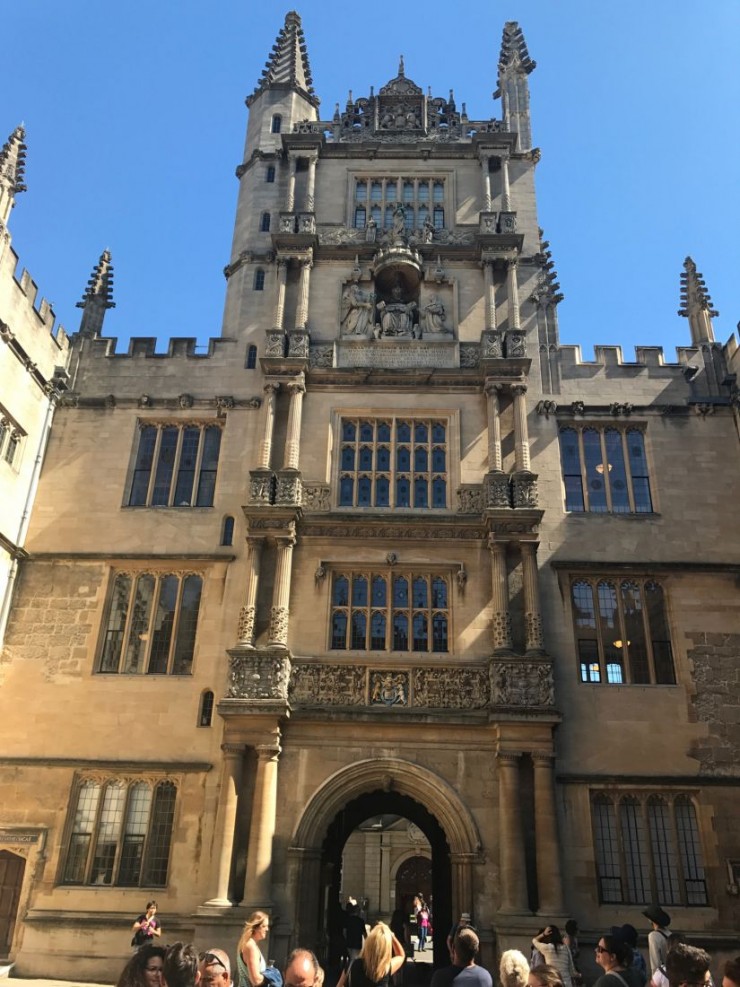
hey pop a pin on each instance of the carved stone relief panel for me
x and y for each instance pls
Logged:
(258, 676)
(522, 683)
(451, 688)
(328, 685)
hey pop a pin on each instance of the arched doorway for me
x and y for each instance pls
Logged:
(12, 868)
(414, 876)
(346, 799)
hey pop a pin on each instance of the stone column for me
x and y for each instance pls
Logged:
(513, 873)
(505, 190)
(521, 431)
(485, 166)
(279, 612)
(311, 185)
(495, 461)
(223, 837)
(245, 631)
(462, 882)
(490, 295)
(532, 615)
(500, 619)
(301, 317)
(512, 288)
(293, 437)
(282, 266)
(549, 880)
(292, 165)
(268, 425)
(258, 882)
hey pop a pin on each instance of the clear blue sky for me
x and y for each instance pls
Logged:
(135, 119)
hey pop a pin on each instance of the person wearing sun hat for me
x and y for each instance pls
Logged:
(658, 937)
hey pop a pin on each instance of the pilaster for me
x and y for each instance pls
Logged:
(223, 839)
(549, 878)
(258, 882)
(513, 874)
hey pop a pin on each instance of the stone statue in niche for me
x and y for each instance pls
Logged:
(357, 310)
(396, 315)
(433, 317)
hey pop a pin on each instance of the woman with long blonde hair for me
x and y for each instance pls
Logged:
(249, 960)
(382, 956)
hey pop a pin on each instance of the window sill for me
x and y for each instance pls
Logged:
(627, 516)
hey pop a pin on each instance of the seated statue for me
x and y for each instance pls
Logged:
(357, 310)
(396, 316)
(434, 315)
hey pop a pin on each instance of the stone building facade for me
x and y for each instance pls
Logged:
(387, 548)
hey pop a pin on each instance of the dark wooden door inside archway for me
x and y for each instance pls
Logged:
(11, 878)
(414, 876)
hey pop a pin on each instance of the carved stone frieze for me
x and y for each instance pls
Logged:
(393, 532)
(389, 688)
(261, 487)
(496, 489)
(328, 685)
(298, 344)
(289, 489)
(450, 688)
(274, 343)
(279, 617)
(470, 499)
(258, 676)
(336, 236)
(487, 223)
(316, 497)
(469, 356)
(524, 489)
(522, 683)
(321, 357)
(507, 222)
(492, 345)
(515, 344)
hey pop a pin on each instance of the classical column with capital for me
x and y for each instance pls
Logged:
(549, 879)
(505, 190)
(245, 630)
(495, 461)
(292, 165)
(268, 425)
(282, 266)
(501, 618)
(532, 614)
(490, 295)
(513, 870)
(485, 164)
(303, 292)
(521, 429)
(291, 458)
(223, 837)
(258, 881)
(512, 289)
(311, 185)
(279, 612)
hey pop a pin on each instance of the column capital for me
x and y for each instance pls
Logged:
(233, 750)
(296, 387)
(282, 263)
(519, 389)
(512, 262)
(307, 263)
(493, 389)
(271, 387)
(494, 545)
(285, 541)
(510, 758)
(268, 752)
(545, 758)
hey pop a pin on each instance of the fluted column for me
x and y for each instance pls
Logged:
(282, 266)
(549, 878)
(293, 438)
(512, 864)
(521, 430)
(268, 425)
(486, 169)
(500, 618)
(292, 165)
(223, 837)
(301, 317)
(505, 190)
(490, 294)
(495, 460)
(279, 612)
(512, 289)
(258, 882)
(532, 615)
(245, 631)
(311, 185)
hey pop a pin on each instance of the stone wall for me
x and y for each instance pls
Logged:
(716, 702)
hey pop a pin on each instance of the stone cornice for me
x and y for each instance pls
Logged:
(577, 566)
(651, 782)
(138, 766)
(394, 527)
(183, 402)
(136, 556)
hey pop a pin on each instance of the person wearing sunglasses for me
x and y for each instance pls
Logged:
(144, 969)
(614, 956)
(215, 968)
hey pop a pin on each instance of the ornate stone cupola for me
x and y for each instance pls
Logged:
(98, 297)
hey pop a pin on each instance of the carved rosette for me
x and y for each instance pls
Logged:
(279, 617)
(515, 344)
(245, 627)
(492, 346)
(496, 487)
(328, 685)
(261, 487)
(316, 496)
(524, 489)
(258, 676)
(522, 683)
(501, 630)
(533, 630)
(289, 489)
(450, 688)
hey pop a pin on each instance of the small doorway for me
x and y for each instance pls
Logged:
(12, 868)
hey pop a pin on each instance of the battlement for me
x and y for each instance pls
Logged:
(146, 346)
(20, 306)
(609, 357)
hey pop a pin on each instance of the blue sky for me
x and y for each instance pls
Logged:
(135, 123)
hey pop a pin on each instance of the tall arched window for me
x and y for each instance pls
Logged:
(270, 174)
(259, 280)
(227, 532)
(265, 222)
(277, 122)
(251, 357)
(205, 713)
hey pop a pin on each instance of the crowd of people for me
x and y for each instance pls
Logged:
(377, 955)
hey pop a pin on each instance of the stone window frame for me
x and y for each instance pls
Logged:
(389, 610)
(449, 418)
(119, 831)
(258, 284)
(11, 439)
(206, 707)
(144, 630)
(392, 191)
(575, 477)
(603, 662)
(648, 847)
(163, 475)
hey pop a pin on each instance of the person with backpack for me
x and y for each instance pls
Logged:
(658, 937)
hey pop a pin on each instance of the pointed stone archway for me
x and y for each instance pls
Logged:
(417, 793)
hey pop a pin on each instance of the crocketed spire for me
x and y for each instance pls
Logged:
(98, 297)
(13, 161)
(696, 305)
(514, 54)
(287, 66)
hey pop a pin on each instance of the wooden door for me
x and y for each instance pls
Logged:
(414, 876)
(11, 878)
